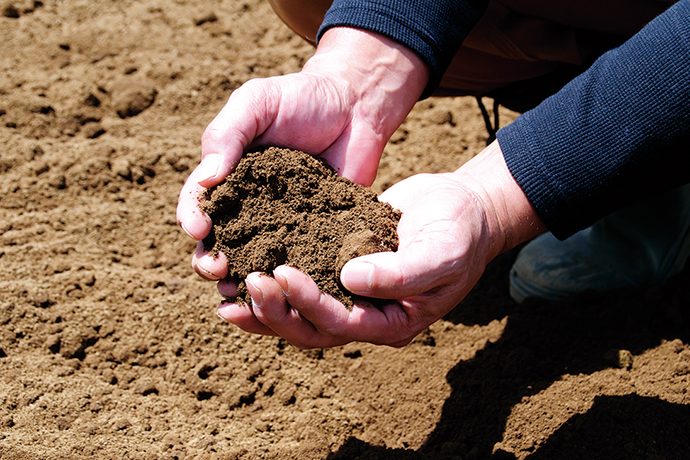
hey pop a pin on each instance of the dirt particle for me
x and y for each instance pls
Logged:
(205, 371)
(428, 339)
(399, 136)
(42, 300)
(75, 347)
(356, 244)
(84, 118)
(131, 96)
(40, 168)
(10, 11)
(92, 100)
(623, 359)
(121, 424)
(34, 152)
(146, 388)
(681, 369)
(354, 354)
(141, 173)
(93, 131)
(206, 18)
(53, 344)
(42, 108)
(123, 168)
(204, 395)
(58, 181)
(442, 117)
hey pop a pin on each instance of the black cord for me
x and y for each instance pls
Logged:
(490, 129)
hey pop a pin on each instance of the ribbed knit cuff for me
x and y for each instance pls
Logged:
(612, 136)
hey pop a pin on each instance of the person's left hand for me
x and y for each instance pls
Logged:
(342, 106)
(452, 225)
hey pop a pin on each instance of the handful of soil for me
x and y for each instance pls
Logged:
(283, 206)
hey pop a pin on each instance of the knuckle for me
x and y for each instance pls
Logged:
(211, 135)
(250, 92)
(330, 329)
(393, 278)
(253, 85)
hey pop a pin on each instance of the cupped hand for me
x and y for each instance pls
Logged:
(452, 225)
(343, 106)
(442, 250)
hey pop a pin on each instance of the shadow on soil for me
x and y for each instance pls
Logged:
(541, 342)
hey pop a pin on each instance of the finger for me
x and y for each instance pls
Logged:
(325, 313)
(271, 308)
(227, 288)
(392, 275)
(361, 167)
(248, 113)
(192, 220)
(363, 322)
(242, 316)
(210, 267)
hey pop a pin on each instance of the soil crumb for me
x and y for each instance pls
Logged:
(283, 206)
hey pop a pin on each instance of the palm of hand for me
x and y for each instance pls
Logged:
(441, 255)
(318, 114)
(443, 250)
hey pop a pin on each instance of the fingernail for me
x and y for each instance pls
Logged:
(257, 295)
(282, 282)
(359, 275)
(209, 167)
(186, 231)
(208, 275)
(223, 311)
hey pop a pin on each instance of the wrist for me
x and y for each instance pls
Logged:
(511, 218)
(384, 78)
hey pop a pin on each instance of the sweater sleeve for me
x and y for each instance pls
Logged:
(433, 29)
(617, 133)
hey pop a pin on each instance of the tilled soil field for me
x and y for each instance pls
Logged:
(109, 343)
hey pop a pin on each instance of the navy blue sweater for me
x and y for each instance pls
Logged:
(616, 133)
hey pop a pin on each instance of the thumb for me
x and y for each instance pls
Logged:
(249, 111)
(389, 275)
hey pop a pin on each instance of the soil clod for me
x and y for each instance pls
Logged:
(282, 206)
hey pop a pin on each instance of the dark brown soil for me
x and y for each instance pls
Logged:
(282, 206)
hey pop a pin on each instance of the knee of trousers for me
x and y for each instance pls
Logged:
(302, 16)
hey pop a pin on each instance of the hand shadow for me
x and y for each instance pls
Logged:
(541, 342)
(622, 427)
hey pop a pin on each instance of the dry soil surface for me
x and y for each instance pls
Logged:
(109, 344)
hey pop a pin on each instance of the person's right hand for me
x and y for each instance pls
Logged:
(452, 225)
(343, 106)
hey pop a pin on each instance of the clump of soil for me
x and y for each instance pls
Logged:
(283, 206)
(131, 96)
